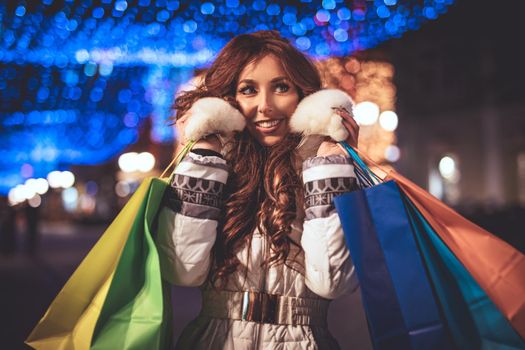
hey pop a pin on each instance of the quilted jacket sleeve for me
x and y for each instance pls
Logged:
(188, 219)
(329, 271)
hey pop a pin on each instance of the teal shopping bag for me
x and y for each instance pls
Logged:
(473, 319)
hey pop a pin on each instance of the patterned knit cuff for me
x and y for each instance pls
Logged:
(324, 178)
(197, 187)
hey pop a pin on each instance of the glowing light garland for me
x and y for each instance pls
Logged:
(187, 34)
(53, 118)
(77, 78)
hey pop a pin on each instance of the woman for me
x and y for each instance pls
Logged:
(267, 251)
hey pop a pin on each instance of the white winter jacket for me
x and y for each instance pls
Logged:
(320, 271)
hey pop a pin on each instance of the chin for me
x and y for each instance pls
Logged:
(269, 141)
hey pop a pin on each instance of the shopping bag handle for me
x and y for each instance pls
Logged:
(371, 177)
(178, 158)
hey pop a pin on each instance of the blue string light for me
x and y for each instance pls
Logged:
(383, 11)
(77, 78)
(50, 120)
(273, 10)
(207, 8)
(135, 26)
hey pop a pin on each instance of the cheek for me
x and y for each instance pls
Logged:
(248, 108)
(288, 104)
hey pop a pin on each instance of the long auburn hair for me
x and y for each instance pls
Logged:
(263, 184)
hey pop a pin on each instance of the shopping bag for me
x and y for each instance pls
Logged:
(399, 303)
(136, 311)
(94, 299)
(471, 315)
(70, 320)
(498, 267)
(473, 319)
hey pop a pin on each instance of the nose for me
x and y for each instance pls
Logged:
(265, 104)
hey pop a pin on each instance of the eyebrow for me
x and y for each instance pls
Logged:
(274, 80)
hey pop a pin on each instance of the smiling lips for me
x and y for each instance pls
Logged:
(268, 126)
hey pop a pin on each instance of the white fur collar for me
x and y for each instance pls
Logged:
(316, 120)
(213, 115)
(315, 114)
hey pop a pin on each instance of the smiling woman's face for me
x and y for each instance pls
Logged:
(267, 99)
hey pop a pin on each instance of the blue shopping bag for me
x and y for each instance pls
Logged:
(470, 316)
(399, 302)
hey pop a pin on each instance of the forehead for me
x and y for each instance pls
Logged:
(266, 68)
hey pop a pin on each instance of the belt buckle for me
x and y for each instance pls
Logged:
(259, 307)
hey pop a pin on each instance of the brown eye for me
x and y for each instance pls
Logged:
(247, 90)
(282, 87)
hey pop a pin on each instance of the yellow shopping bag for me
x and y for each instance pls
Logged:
(70, 320)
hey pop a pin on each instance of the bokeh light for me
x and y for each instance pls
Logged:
(392, 153)
(448, 168)
(122, 189)
(78, 79)
(127, 162)
(67, 179)
(54, 179)
(145, 161)
(135, 33)
(35, 201)
(70, 199)
(366, 112)
(388, 120)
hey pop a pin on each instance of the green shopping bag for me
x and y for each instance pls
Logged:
(116, 298)
(136, 312)
(70, 320)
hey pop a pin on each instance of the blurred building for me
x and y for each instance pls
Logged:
(462, 102)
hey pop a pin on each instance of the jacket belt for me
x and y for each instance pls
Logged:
(262, 307)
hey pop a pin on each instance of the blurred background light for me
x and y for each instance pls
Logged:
(26, 170)
(35, 201)
(388, 120)
(207, 8)
(12, 197)
(133, 161)
(86, 204)
(54, 179)
(127, 162)
(79, 79)
(145, 161)
(91, 188)
(42, 186)
(366, 112)
(122, 189)
(323, 15)
(32, 185)
(67, 179)
(447, 167)
(70, 199)
(392, 153)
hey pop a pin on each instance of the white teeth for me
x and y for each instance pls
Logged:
(268, 123)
